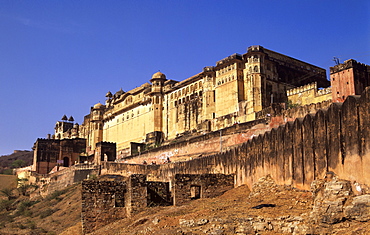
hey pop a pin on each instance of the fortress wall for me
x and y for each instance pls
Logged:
(302, 111)
(336, 139)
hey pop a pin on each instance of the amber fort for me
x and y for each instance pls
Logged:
(167, 142)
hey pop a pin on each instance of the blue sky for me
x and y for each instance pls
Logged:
(61, 57)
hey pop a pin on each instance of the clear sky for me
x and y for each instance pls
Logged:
(61, 57)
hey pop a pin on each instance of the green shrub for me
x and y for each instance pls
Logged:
(31, 225)
(56, 194)
(6, 205)
(22, 226)
(8, 172)
(22, 208)
(46, 213)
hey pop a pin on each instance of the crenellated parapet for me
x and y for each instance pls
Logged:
(308, 94)
(348, 64)
(301, 89)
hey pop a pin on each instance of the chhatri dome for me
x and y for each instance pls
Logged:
(159, 75)
(98, 105)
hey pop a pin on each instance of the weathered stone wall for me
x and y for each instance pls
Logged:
(102, 203)
(336, 139)
(114, 197)
(136, 199)
(209, 185)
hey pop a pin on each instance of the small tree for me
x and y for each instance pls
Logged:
(18, 163)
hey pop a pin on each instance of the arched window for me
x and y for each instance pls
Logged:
(255, 69)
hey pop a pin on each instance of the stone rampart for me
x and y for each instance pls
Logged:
(334, 139)
(59, 180)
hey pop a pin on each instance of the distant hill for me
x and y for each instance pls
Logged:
(15, 160)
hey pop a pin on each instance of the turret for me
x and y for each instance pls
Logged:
(157, 81)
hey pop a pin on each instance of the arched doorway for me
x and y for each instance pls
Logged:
(66, 162)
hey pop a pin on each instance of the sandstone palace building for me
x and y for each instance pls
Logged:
(236, 90)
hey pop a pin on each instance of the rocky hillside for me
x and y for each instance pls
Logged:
(15, 160)
(50, 215)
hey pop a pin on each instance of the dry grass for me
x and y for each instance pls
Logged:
(8, 181)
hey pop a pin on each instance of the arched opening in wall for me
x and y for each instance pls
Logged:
(66, 162)
(195, 192)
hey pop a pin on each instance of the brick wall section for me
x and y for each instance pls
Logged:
(211, 185)
(98, 203)
(335, 139)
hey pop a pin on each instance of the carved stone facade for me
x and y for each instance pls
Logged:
(236, 87)
(49, 153)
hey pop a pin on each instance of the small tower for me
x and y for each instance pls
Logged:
(157, 81)
(62, 127)
(96, 136)
(348, 78)
(254, 80)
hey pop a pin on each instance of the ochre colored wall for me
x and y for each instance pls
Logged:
(130, 126)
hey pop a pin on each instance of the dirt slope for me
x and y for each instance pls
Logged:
(221, 215)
